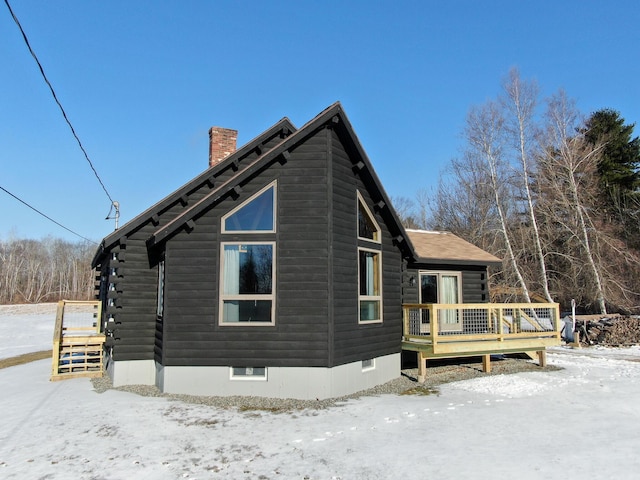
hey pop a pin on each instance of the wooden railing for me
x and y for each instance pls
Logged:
(479, 329)
(77, 341)
(467, 328)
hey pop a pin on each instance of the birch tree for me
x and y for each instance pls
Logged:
(485, 135)
(520, 101)
(570, 167)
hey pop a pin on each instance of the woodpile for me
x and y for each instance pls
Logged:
(612, 331)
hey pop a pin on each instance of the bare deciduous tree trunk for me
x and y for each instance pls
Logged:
(521, 100)
(574, 163)
(485, 134)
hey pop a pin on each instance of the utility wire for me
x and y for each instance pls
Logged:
(55, 97)
(45, 216)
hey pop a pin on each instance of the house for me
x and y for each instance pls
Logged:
(279, 271)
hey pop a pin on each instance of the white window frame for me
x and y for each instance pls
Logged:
(378, 297)
(371, 364)
(222, 296)
(248, 378)
(273, 185)
(377, 236)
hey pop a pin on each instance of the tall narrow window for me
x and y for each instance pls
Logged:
(247, 268)
(247, 283)
(255, 215)
(160, 302)
(369, 265)
(370, 280)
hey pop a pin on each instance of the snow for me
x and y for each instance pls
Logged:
(26, 328)
(578, 422)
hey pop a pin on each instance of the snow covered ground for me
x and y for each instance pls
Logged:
(579, 422)
(26, 328)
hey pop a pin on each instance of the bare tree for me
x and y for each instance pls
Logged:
(406, 210)
(485, 134)
(45, 270)
(520, 100)
(569, 178)
(464, 203)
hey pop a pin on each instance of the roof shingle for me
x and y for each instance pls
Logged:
(443, 246)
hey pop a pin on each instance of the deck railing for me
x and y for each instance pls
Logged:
(77, 341)
(449, 329)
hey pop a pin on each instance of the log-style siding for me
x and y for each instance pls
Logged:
(138, 334)
(353, 341)
(475, 287)
(192, 334)
(319, 172)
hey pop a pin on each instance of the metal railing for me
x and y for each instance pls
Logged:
(449, 328)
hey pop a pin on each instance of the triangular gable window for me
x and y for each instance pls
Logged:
(255, 215)
(368, 228)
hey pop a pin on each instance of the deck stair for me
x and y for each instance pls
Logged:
(77, 341)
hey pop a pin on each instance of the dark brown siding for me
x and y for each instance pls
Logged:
(353, 341)
(474, 282)
(192, 335)
(135, 310)
(138, 336)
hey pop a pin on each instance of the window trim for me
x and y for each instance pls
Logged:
(378, 232)
(370, 367)
(237, 208)
(160, 290)
(248, 378)
(444, 327)
(222, 297)
(378, 297)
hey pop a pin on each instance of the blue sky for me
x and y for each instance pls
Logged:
(143, 81)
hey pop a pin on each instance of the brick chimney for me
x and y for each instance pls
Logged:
(222, 142)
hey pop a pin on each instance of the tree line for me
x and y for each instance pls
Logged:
(552, 192)
(48, 270)
(555, 194)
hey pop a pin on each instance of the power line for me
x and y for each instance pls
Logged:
(45, 216)
(55, 97)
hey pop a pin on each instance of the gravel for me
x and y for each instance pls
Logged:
(438, 373)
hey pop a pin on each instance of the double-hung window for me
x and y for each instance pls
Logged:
(369, 266)
(247, 267)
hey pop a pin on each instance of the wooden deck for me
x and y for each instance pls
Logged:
(479, 329)
(77, 341)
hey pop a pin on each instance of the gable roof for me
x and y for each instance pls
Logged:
(283, 127)
(423, 246)
(333, 115)
(447, 248)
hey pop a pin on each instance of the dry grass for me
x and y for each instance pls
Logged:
(25, 358)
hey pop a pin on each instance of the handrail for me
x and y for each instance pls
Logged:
(479, 329)
(435, 323)
(77, 340)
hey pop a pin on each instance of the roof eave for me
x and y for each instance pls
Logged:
(458, 261)
(134, 223)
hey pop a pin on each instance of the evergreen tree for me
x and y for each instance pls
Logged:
(619, 165)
